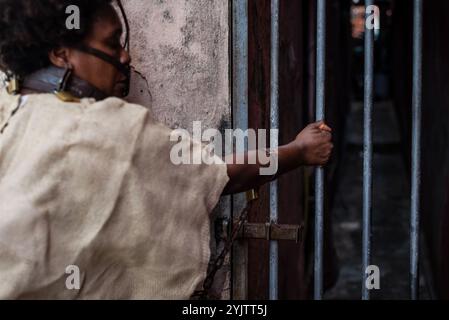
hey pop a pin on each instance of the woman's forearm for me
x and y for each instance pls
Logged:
(247, 176)
(312, 146)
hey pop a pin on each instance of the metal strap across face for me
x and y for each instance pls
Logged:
(125, 69)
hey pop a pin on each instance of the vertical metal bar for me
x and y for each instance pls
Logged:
(240, 121)
(319, 180)
(240, 63)
(274, 142)
(368, 151)
(416, 149)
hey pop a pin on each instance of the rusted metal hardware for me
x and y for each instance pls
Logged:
(252, 195)
(267, 231)
(229, 241)
(271, 231)
(66, 96)
(13, 86)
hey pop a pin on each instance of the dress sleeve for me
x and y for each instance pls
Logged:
(186, 164)
(179, 198)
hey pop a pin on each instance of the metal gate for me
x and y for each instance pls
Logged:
(240, 111)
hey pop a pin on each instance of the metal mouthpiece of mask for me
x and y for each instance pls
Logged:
(125, 69)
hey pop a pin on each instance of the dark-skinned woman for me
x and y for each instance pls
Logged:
(87, 188)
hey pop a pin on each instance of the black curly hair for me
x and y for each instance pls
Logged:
(29, 29)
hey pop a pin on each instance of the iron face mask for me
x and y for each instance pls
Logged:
(125, 69)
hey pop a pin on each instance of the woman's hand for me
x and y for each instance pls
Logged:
(312, 147)
(314, 144)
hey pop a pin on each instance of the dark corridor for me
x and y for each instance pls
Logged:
(391, 182)
(392, 146)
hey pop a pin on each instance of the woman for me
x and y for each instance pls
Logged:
(86, 181)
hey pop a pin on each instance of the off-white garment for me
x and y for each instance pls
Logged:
(91, 185)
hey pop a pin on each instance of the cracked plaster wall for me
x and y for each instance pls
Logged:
(181, 48)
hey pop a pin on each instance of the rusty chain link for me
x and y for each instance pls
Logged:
(219, 261)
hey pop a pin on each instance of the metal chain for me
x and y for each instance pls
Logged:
(219, 261)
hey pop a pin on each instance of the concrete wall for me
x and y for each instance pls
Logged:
(181, 48)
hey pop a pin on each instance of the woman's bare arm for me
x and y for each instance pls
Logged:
(312, 147)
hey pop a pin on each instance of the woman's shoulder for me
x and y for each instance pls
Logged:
(114, 104)
(88, 109)
(112, 116)
(117, 112)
